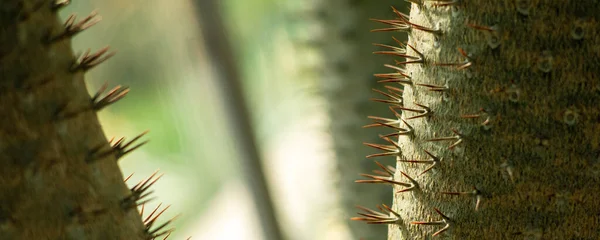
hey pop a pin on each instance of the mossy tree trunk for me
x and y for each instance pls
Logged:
(59, 177)
(505, 116)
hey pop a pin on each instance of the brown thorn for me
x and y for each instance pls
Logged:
(446, 221)
(434, 88)
(424, 112)
(72, 28)
(127, 178)
(88, 61)
(374, 217)
(405, 19)
(114, 95)
(433, 161)
(59, 4)
(396, 26)
(121, 150)
(459, 66)
(390, 150)
(168, 235)
(458, 137)
(154, 232)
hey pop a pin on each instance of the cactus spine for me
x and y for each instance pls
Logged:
(500, 121)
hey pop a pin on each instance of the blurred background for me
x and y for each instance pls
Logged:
(307, 72)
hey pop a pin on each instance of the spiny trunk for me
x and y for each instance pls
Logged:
(508, 94)
(59, 177)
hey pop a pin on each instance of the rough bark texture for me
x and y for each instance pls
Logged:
(53, 184)
(531, 157)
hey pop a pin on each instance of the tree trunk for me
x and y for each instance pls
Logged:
(503, 105)
(59, 177)
(346, 77)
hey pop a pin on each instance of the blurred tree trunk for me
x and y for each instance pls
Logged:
(59, 177)
(218, 46)
(340, 36)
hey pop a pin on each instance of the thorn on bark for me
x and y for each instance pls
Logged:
(375, 217)
(71, 28)
(88, 61)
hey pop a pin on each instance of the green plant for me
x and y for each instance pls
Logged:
(59, 177)
(498, 124)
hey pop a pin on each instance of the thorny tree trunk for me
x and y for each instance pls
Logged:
(346, 76)
(512, 127)
(59, 177)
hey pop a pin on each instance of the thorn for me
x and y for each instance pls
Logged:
(390, 150)
(405, 19)
(434, 88)
(477, 115)
(118, 148)
(413, 185)
(476, 193)
(396, 24)
(155, 233)
(393, 94)
(399, 76)
(114, 95)
(168, 235)
(88, 61)
(59, 4)
(424, 112)
(391, 123)
(139, 192)
(507, 166)
(142, 209)
(434, 161)
(72, 28)
(486, 124)
(492, 34)
(459, 66)
(128, 177)
(397, 51)
(150, 219)
(458, 137)
(445, 221)
(375, 217)
(121, 149)
(385, 177)
(419, 59)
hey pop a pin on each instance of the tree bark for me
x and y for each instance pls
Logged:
(59, 177)
(503, 105)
